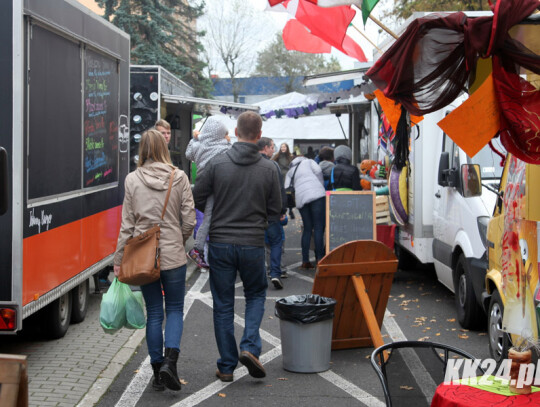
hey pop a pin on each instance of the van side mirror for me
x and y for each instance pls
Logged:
(3, 181)
(471, 180)
(444, 165)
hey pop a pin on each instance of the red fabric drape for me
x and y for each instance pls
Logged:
(430, 64)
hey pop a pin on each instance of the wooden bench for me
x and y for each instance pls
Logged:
(358, 275)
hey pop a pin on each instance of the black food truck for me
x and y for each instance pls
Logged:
(64, 155)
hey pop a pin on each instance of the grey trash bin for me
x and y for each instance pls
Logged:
(306, 332)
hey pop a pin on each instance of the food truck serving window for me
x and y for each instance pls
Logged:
(73, 117)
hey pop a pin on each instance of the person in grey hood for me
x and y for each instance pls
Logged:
(344, 177)
(202, 149)
(145, 192)
(246, 193)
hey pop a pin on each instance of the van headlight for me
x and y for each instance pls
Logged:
(483, 222)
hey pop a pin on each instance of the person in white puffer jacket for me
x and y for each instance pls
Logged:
(310, 194)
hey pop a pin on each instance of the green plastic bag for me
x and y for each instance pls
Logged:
(112, 314)
(135, 318)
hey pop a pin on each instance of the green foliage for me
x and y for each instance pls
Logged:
(276, 60)
(404, 8)
(163, 33)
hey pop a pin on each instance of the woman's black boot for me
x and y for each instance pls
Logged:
(156, 383)
(168, 373)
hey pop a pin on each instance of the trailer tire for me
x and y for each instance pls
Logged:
(57, 317)
(499, 341)
(470, 314)
(80, 296)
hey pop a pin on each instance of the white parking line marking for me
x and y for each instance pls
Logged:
(138, 384)
(135, 389)
(352, 389)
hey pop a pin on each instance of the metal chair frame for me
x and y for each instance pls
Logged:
(379, 362)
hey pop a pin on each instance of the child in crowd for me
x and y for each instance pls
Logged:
(212, 140)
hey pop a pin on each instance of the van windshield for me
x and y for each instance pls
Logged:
(490, 162)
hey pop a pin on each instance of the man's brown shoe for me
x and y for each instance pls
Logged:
(224, 377)
(254, 366)
(307, 265)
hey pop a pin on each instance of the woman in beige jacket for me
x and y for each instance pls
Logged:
(145, 192)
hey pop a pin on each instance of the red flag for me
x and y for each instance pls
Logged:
(329, 24)
(352, 49)
(296, 37)
(273, 3)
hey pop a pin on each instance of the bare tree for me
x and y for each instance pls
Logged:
(234, 32)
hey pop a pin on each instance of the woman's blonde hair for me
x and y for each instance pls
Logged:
(153, 147)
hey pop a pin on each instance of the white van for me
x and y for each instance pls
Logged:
(444, 227)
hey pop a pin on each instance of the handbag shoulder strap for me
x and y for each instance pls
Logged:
(168, 194)
(294, 173)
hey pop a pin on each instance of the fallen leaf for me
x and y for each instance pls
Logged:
(270, 317)
(182, 381)
(136, 371)
(401, 296)
(464, 330)
(451, 320)
(392, 315)
(482, 333)
(406, 387)
(222, 395)
(463, 336)
(423, 338)
(282, 378)
(437, 334)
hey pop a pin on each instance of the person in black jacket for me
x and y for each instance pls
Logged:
(274, 232)
(246, 193)
(344, 175)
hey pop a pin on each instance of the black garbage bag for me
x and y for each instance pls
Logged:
(305, 309)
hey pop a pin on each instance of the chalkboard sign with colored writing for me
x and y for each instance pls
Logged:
(349, 216)
(100, 157)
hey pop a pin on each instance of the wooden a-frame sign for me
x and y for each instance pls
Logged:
(358, 275)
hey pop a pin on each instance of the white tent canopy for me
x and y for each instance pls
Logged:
(285, 130)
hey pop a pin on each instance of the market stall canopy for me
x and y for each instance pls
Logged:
(320, 127)
(211, 106)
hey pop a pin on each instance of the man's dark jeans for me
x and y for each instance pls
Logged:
(226, 260)
(274, 235)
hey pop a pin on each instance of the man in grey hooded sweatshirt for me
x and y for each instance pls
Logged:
(246, 192)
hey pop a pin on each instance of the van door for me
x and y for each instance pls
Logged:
(444, 220)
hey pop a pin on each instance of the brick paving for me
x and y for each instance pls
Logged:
(78, 368)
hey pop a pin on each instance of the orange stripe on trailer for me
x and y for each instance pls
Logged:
(53, 257)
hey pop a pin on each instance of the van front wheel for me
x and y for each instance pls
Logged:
(470, 314)
(499, 341)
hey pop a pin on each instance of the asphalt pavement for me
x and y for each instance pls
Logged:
(89, 367)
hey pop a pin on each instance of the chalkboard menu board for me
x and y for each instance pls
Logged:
(100, 148)
(349, 216)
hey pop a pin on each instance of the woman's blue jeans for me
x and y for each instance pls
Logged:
(314, 218)
(174, 285)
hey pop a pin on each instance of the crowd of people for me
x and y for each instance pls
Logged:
(242, 207)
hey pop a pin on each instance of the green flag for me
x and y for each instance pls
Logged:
(367, 7)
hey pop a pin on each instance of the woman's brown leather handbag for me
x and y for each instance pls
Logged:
(140, 264)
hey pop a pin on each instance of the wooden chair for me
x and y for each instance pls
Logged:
(358, 275)
(411, 370)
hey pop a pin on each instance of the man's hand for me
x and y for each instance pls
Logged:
(116, 270)
(196, 134)
(283, 217)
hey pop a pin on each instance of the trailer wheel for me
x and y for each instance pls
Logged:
(470, 314)
(79, 301)
(499, 341)
(57, 317)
